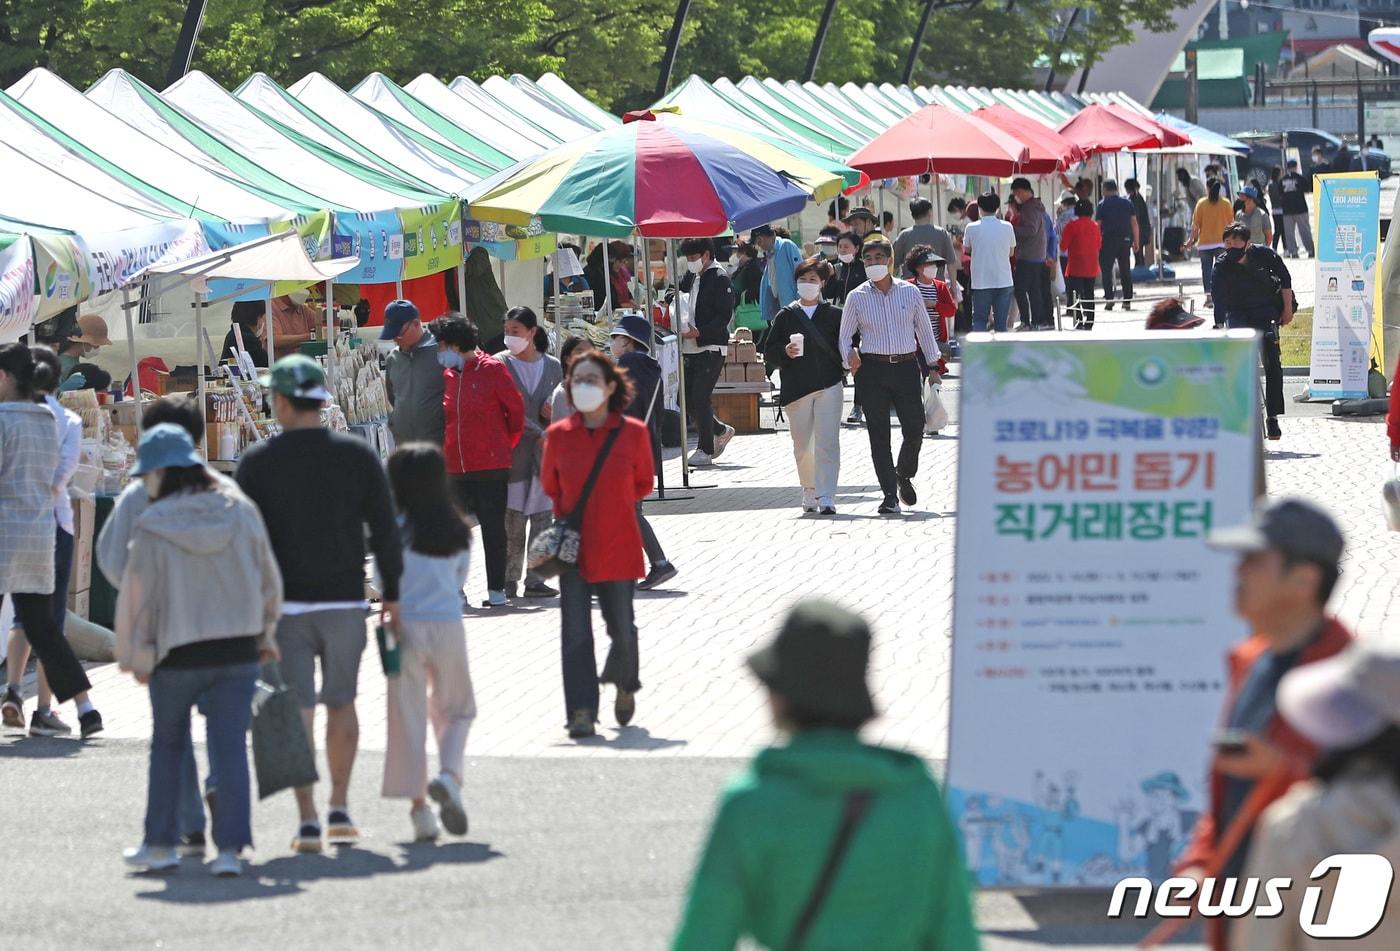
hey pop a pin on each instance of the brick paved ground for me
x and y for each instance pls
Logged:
(745, 553)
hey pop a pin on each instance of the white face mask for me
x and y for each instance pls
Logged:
(845, 258)
(696, 266)
(516, 344)
(929, 273)
(587, 397)
(450, 359)
(300, 297)
(877, 272)
(808, 291)
(828, 250)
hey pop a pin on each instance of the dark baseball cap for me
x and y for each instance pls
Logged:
(861, 212)
(1299, 530)
(398, 314)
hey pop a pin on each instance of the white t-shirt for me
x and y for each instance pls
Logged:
(990, 242)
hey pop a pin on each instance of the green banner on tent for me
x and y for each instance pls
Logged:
(432, 239)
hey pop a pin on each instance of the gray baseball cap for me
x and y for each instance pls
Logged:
(1299, 530)
(1346, 699)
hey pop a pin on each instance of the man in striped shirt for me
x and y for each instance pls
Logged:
(893, 324)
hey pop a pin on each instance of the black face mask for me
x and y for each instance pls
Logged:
(1234, 254)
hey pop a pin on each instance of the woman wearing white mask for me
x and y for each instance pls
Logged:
(485, 418)
(536, 374)
(803, 346)
(848, 274)
(610, 550)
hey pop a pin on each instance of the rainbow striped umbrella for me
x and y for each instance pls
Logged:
(666, 179)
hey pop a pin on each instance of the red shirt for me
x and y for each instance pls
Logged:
(611, 546)
(1080, 244)
(484, 416)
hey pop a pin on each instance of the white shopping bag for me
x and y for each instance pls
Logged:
(935, 414)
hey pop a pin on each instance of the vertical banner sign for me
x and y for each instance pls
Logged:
(432, 239)
(60, 263)
(1091, 621)
(376, 239)
(1346, 337)
(115, 258)
(18, 301)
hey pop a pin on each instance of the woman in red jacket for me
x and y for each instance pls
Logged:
(1080, 244)
(484, 419)
(610, 556)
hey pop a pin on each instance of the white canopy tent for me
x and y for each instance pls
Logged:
(520, 139)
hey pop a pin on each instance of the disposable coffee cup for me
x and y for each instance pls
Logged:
(798, 341)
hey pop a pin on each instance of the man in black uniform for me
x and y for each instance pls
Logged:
(1254, 291)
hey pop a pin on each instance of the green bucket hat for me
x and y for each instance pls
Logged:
(297, 376)
(818, 662)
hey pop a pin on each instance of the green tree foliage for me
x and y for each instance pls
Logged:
(608, 49)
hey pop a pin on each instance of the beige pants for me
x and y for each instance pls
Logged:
(433, 656)
(517, 546)
(815, 421)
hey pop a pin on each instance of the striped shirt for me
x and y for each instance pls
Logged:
(888, 323)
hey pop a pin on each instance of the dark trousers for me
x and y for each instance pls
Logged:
(61, 667)
(1278, 231)
(702, 372)
(1081, 300)
(581, 677)
(885, 385)
(1262, 320)
(1047, 293)
(1030, 296)
(1119, 253)
(486, 500)
(650, 543)
(962, 323)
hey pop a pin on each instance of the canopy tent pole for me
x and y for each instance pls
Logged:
(1161, 235)
(398, 288)
(268, 325)
(462, 285)
(131, 353)
(655, 345)
(199, 362)
(607, 282)
(330, 333)
(672, 270)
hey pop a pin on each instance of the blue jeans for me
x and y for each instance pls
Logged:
(994, 299)
(225, 694)
(581, 677)
(1208, 270)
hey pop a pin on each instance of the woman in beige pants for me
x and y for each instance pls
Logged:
(432, 646)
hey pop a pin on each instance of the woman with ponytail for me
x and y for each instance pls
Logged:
(1213, 215)
(536, 374)
(29, 458)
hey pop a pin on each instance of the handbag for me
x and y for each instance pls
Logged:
(282, 756)
(556, 549)
(810, 332)
(856, 805)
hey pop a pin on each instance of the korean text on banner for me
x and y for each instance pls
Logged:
(115, 258)
(18, 301)
(376, 239)
(61, 265)
(432, 239)
(1090, 620)
(1346, 335)
(314, 230)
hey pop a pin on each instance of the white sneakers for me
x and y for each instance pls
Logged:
(425, 824)
(152, 858)
(809, 500)
(698, 459)
(496, 599)
(226, 865)
(448, 795)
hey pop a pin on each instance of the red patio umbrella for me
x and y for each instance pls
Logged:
(1110, 128)
(937, 139)
(1050, 151)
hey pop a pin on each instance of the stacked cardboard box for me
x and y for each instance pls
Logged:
(80, 582)
(741, 364)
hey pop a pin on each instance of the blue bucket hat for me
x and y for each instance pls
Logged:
(634, 325)
(165, 446)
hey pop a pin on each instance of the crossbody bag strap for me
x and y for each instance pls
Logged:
(810, 329)
(856, 805)
(576, 516)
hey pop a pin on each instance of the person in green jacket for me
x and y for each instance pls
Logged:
(899, 882)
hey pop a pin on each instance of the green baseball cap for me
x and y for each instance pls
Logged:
(297, 376)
